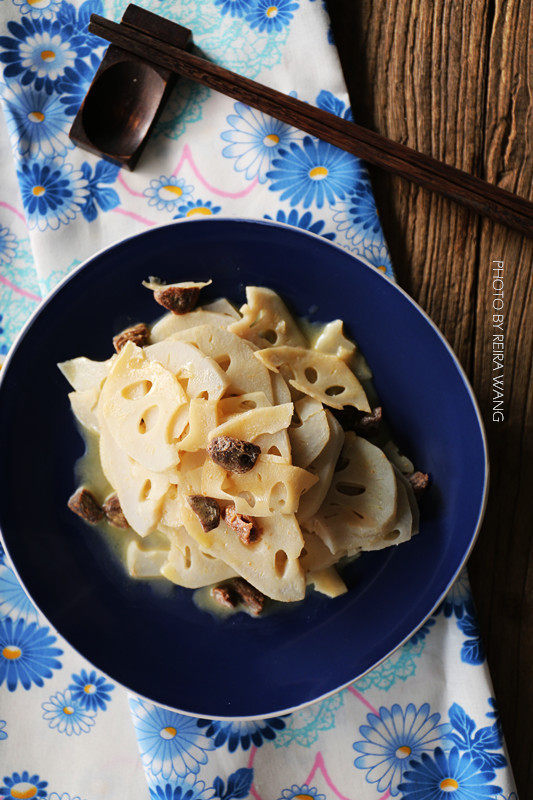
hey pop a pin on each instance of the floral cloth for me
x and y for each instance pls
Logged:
(422, 725)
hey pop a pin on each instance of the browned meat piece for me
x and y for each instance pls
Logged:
(138, 334)
(361, 422)
(234, 454)
(206, 509)
(113, 511)
(224, 596)
(246, 527)
(249, 595)
(178, 299)
(85, 506)
(419, 482)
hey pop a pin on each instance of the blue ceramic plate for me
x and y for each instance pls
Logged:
(158, 644)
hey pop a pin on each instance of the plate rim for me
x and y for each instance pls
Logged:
(466, 382)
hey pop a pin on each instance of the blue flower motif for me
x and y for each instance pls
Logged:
(305, 222)
(3, 733)
(478, 742)
(36, 120)
(38, 52)
(458, 601)
(313, 172)
(392, 738)
(90, 690)
(38, 8)
(238, 786)
(8, 246)
(105, 197)
(167, 193)
(271, 15)
(448, 775)
(295, 792)
(67, 715)
(255, 139)
(182, 789)
(328, 102)
(243, 733)
(195, 209)
(76, 21)
(357, 216)
(472, 650)
(53, 193)
(235, 8)
(170, 744)
(26, 654)
(22, 784)
(377, 253)
(72, 86)
(423, 631)
(14, 602)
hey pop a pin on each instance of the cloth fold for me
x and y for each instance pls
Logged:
(422, 724)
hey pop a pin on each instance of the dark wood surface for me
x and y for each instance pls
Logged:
(145, 41)
(454, 78)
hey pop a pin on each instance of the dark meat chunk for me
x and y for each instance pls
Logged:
(249, 595)
(246, 527)
(113, 511)
(361, 422)
(234, 454)
(225, 596)
(138, 334)
(206, 509)
(84, 504)
(419, 482)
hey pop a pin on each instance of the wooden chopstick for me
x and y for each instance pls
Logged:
(468, 190)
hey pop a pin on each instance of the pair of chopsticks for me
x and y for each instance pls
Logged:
(474, 193)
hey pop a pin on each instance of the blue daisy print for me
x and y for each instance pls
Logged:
(38, 52)
(458, 601)
(254, 140)
(235, 8)
(182, 789)
(242, 733)
(26, 654)
(298, 792)
(90, 690)
(167, 193)
(38, 8)
(377, 253)
(67, 715)
(394, 737)
(171, 745)
(358, 216)
(271, 15)
(14, 602)
(448, 775)
(313, 173)
(3, 732)
(72, 86)
(196, 209)
(327, 101)
(52, 193)
(22, 784)
(305, 222)
(36, 120)
(8, 245)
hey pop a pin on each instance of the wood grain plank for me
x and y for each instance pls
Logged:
(455, 80)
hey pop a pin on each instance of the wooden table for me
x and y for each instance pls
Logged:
(452, 79)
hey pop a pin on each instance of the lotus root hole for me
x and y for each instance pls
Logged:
(223, 362)
(146, 489)
(248, 404)
(148, 419)
(248, 498)
(187, 558)
(136, 390)
(274, 451)
(351, 489)
(280, 563)
(278, 496)
(391, 535)
(311, 374)
(342, 463)
(271, 336)
(332, 391)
